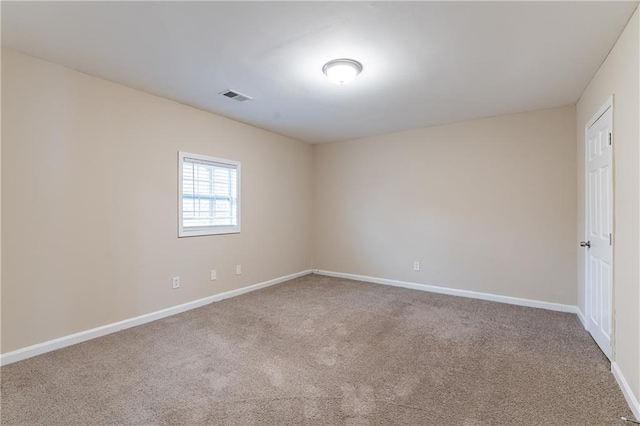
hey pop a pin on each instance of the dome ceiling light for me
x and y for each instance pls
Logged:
(342, 71)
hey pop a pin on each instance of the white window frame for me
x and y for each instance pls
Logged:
(208, 230)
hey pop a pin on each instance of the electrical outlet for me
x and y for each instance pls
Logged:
(416, 266)
(176, 282)
(214, 275)
(238, 269)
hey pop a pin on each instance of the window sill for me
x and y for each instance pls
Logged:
(200, 232)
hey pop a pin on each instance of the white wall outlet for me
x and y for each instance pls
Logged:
(238, 269)
(214, 275)
(176, 282)
(416, 266)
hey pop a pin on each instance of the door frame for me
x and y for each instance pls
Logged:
(608, 104)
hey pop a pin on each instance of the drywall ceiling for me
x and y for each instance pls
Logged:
(424, 63)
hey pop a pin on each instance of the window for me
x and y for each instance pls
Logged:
(209, 195)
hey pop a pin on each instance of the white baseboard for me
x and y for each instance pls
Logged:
(581, 317)
(455, 292)
(626, 390)
(72, 339)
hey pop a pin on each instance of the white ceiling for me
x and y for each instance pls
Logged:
(424, 63)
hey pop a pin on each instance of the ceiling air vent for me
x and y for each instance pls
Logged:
(232, 94)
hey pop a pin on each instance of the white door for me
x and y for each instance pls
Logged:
(599, 228)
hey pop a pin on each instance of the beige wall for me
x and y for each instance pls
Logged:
(89, 203)
(0, 205)
(486, 205)
(619, 76)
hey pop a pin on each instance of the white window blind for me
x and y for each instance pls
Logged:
(209, 200)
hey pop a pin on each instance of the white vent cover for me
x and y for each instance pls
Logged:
(232, 94)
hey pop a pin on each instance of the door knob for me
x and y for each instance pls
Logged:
(586, 244)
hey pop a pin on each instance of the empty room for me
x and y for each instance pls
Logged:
(320, 213)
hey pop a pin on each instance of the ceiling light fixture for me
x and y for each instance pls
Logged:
(342, 71)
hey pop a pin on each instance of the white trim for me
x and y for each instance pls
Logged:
(72, 339)
(633, 402)
(607, 104)
(209, 230)
(455, 292)
(581, 317)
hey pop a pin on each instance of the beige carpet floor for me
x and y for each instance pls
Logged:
(326, 351)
